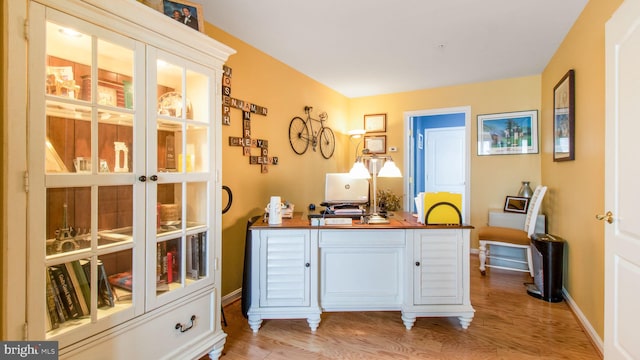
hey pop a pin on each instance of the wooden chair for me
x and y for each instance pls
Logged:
(509, 237)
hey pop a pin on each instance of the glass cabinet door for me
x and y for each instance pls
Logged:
(83, 148)
(179, 131)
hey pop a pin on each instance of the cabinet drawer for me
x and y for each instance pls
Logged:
(362, 238)
(132, 341)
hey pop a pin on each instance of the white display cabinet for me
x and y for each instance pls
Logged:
(123, 174)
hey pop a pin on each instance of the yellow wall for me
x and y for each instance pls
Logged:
(576, 188)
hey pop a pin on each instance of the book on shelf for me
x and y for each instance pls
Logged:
(170, 261)
(80, 285)
(193, 257)
(53, 321)
(105, 293)
(202, 238)
(57, 298)
(67, 292)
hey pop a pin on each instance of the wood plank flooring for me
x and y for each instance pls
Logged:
(508, 324)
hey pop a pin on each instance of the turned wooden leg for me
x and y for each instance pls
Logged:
(313, 322)
(482, 255)
(408, 320)
(255, 323)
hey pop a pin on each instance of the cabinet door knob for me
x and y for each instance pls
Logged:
(417, 263)
(307, 265)
(153, 177)
(142, 178)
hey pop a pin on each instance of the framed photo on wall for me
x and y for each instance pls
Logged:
(375, 123)
(564, 118)
(511, 133)
(376, 144)
(186, 12)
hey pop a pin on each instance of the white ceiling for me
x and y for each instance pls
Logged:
(364, 47)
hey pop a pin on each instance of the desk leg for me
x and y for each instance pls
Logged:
(255, 323)
(408, 320)
(313, 321)
(465, 320)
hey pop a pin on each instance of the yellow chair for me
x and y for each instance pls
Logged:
(509, 237)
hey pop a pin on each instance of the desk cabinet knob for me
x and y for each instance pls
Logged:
(307, 265)
(417, 263)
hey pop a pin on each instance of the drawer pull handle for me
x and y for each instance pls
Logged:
(307, 265)
(417, 263)
(182, 328)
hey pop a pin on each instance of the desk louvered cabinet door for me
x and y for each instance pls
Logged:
(438, 267)
(284, 268)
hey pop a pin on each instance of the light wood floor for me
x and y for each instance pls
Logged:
(508, 324)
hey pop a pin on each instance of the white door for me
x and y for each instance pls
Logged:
(445, 161)
(622, 235)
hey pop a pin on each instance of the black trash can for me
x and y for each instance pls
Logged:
(548, 253)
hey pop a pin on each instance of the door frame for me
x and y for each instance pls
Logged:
(411, 147)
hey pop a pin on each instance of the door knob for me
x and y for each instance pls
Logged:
(608, 217)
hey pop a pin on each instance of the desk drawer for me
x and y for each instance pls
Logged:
(362, 238)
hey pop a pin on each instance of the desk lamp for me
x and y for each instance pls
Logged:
(389, 169)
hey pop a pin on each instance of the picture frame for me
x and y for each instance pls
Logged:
(176, 9)
(509, 133)
(375, 123)
(516, 204)
(564, 118)
(376, 144)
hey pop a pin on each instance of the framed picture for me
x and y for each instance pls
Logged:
(564, 118)
(107, 96)
(511, 133)
(186, 12)
(376, 144)
(516, 204)
(375, 123)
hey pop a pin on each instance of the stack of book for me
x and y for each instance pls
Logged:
(69, 291)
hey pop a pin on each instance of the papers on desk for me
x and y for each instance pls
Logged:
(442, 214)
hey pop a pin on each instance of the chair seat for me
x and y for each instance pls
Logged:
(504, 234)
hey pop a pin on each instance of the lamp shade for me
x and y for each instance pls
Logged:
(389, 169)
(359, 171)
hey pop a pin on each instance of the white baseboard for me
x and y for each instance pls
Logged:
(586, 325)
(231, 297)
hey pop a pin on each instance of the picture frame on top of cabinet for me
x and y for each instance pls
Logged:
(375, 123)
(516, 204)
(564, 118)
(186, 12)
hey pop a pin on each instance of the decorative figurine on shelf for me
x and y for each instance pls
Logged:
(67, 237)
(121, 148)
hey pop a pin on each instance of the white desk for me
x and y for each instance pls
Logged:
(299, 271)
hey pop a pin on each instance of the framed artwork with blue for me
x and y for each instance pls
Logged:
(511, 133)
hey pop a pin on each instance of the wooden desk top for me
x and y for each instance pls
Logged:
(400, 220)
